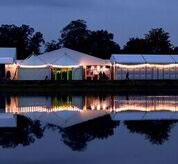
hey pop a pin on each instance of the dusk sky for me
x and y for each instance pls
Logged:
(124, 18)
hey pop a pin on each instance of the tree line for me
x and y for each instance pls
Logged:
(77, 36)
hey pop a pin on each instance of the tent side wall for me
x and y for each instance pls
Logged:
(34, 73)
(151, 72)
(77, 73)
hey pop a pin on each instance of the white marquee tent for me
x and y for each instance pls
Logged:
(77, 57)
(145, 67)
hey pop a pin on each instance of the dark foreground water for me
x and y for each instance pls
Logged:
(89, 129)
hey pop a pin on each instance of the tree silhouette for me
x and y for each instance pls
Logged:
(23, 38)
(156, 131)
(175, 51)
(136, 45)
(77, 36)
(157, 41)
(24, 134)
(51, 46)
(101, 44)
(76, 137)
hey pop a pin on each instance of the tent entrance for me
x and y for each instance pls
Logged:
(98, 72)
(62, 74)
(2, 71)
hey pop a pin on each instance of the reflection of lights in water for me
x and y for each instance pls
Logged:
(43, 109)
(92, 107)
(104, 106)
(148, 103)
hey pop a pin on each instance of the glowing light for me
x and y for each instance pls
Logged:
(33, 66)
(104, 106)
(70, 66)
(98, 107)
(160, 66)
(92, 107)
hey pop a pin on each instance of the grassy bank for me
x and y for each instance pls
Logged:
(96, 87)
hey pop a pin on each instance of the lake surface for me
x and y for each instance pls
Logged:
(89, 129)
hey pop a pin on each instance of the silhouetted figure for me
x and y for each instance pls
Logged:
(8, 75)
(46, 78)
(100, 76)
(127, 76)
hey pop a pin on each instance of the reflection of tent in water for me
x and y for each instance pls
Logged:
(25, 104)
(7, 120)
(156, 131)
(139, 115)
(64, 118)
(77, 136)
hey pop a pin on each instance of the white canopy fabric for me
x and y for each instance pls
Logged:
(33, 61)
(159, 59)
(77, 58)
(119, 116)
(143, 58)
(126, 59)
(65, 118)
(7, 120)
(175, 58)
(65, 60)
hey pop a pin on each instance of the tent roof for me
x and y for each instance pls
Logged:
(33, 60)
(122, 58)
(160, 59)
(65, 118)
(152, 59)
(175, 57)
(77, 57)
(65, 60)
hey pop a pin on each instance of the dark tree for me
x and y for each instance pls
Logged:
(77, 136)
(156, 131)
(136, 45)
(158, 41)
(51, 46)
(23, 38)
(35, 43)
(24, 134)
(76, 36)
(101, 44)
(175, 51)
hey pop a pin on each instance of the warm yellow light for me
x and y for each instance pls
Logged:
(70, 66)
(33, 66)
(160, 66)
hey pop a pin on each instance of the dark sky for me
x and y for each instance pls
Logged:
(124, 18)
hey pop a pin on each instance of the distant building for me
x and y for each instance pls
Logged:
(7, 56)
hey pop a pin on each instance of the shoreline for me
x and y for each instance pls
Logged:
(90, 87)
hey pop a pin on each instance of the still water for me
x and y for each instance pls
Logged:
(89, 129)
